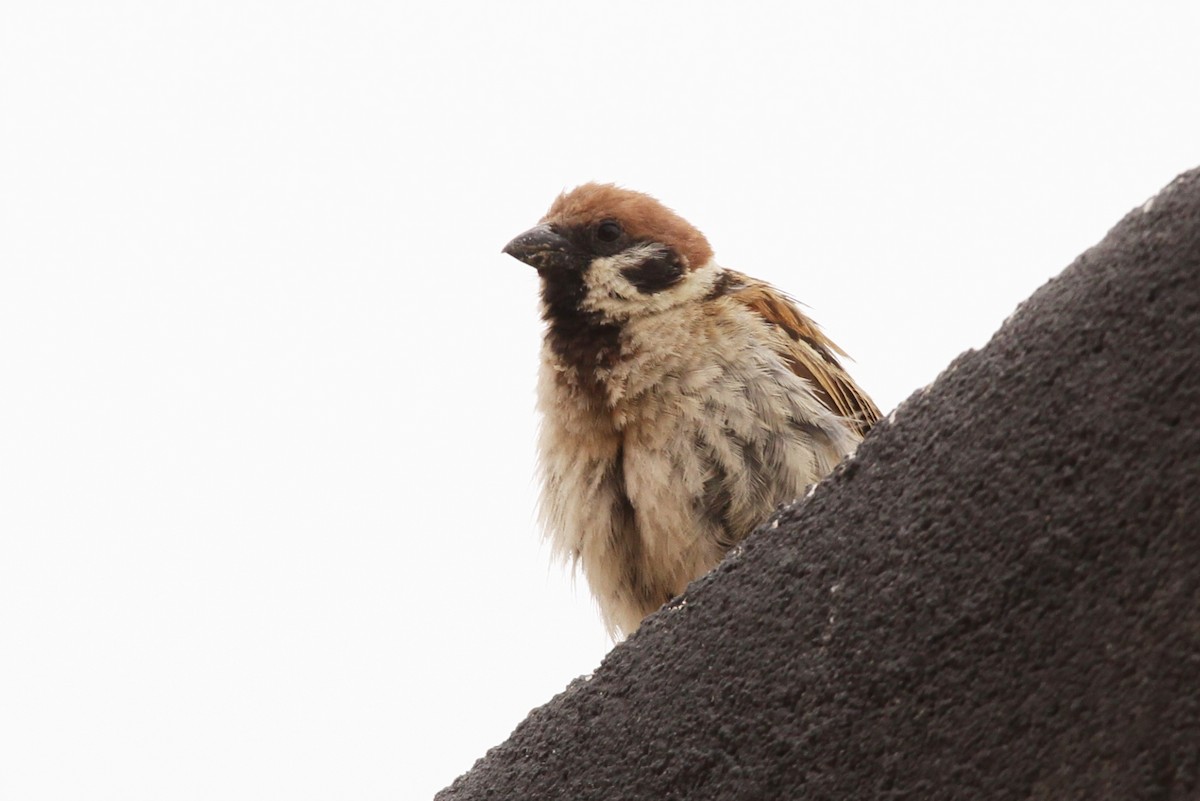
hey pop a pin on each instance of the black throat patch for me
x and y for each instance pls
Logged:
(582, 339)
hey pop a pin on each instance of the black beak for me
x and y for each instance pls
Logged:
(540, 247)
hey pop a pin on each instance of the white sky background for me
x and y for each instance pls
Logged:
(266, 380)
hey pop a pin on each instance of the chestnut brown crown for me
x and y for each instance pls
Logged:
(642, 217)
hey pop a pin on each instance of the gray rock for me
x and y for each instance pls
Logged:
(999, 597)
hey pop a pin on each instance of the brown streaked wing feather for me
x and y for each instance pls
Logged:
(810, 353)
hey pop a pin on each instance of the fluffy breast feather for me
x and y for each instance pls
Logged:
(690, 439)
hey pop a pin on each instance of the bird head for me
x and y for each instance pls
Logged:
(614, 254)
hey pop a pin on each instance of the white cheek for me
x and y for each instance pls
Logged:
(611, 294)
(606, 279)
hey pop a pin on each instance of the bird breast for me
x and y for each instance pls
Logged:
(654, 465)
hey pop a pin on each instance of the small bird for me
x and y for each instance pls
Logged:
(681, 402)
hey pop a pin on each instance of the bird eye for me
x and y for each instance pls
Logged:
(608, 231)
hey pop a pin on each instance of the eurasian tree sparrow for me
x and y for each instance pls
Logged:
(681, 402)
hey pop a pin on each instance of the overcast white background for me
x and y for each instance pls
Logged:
(266, 380)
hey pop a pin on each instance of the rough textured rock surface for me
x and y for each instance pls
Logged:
(998, 598)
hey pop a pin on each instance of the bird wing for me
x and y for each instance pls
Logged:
(809, 353)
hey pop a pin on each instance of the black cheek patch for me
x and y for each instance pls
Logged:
(655, 274)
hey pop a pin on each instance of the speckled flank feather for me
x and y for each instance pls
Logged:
(711, 400)
(810, 353)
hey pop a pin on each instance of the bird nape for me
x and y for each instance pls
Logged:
(681, 402)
